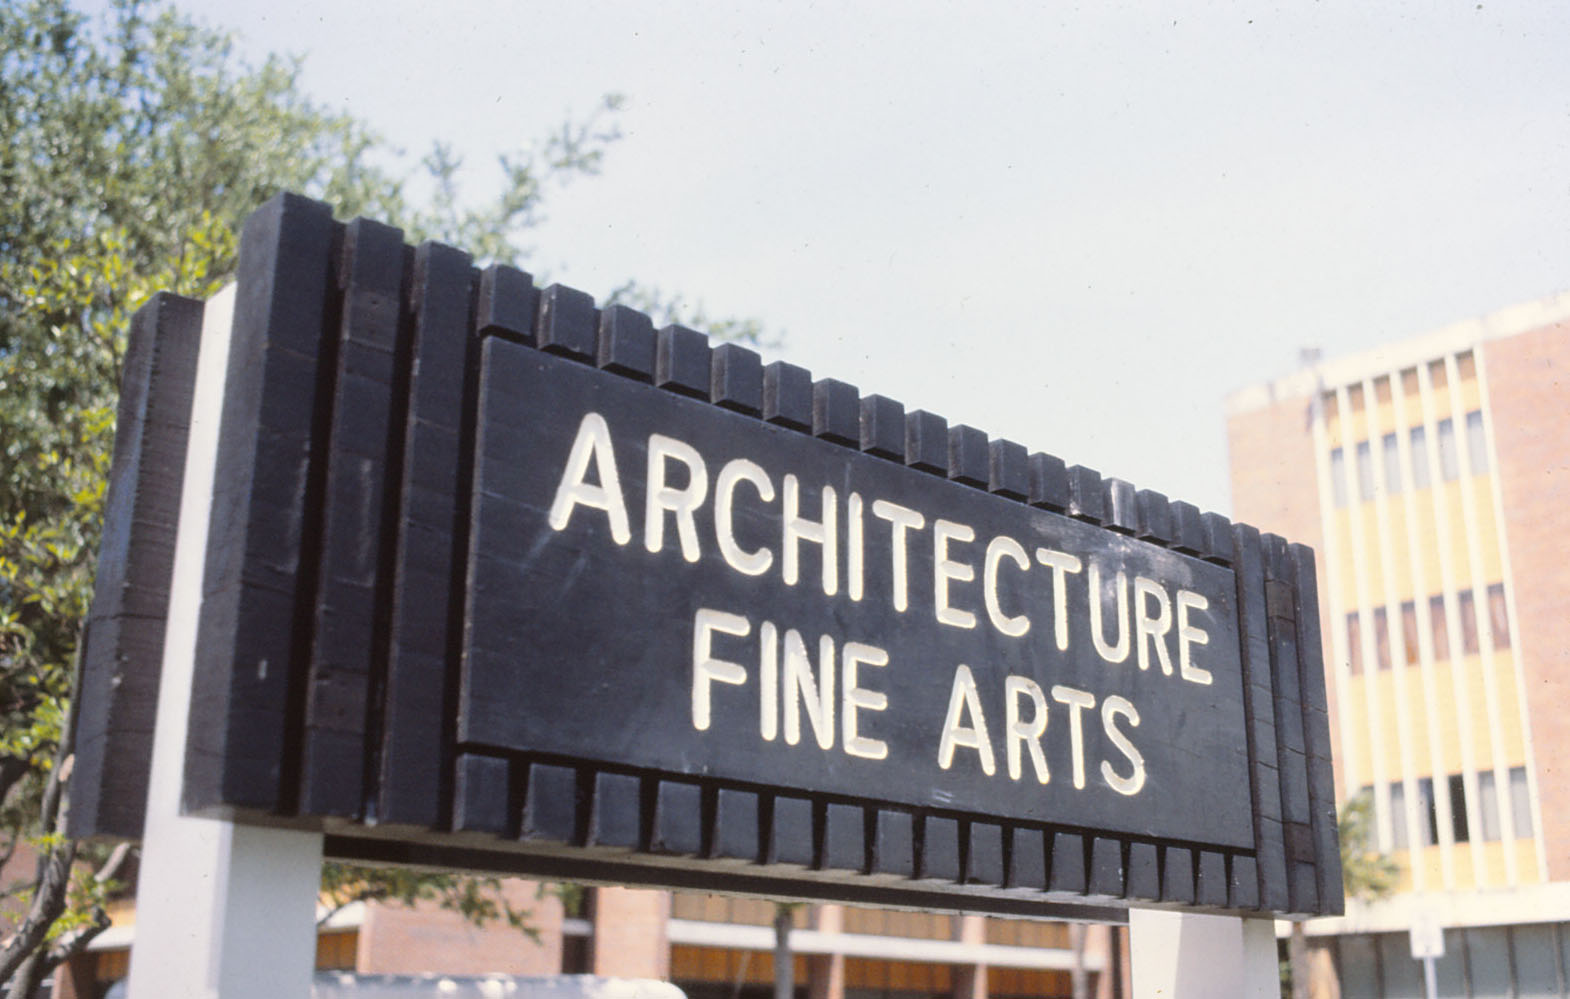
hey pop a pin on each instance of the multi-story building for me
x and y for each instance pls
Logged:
(1432, 476)
(713, 947)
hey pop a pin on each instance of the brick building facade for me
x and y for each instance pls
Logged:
(713, 947)
(1432, 477)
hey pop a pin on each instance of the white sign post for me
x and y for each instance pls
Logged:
(1174, 954)
(221, 909)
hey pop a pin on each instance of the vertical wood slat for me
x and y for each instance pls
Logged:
(122, 653)
(1259, 705)
(249, 642)
(413, 770)
(1302, 879)
(345, 616)
(1316, 731)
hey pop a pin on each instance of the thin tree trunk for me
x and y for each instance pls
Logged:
(1079, 980)
(27, 977)
(53, 880)
(1297, 958)
(784, 969)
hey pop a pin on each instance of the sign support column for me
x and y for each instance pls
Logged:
(1180, 954)
(222, 909)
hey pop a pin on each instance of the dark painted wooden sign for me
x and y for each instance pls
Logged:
(500, 579)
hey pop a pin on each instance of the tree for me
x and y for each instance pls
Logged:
(135, 144)
(1366, 875)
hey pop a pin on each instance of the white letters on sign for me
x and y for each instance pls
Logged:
(841, 693)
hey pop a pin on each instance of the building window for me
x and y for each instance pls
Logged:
(1498, 615)
(1354, 398)
(1449, 463)
(1488, 805)
(1365, 471)
(1436, 374)
(1467, 609)
(1382, 637)
(1409, 631)
(1409, 381)
(1428, 814)
(1398, 825)
(1419, 458)
(1338, 476)
(1476, 443)
(1354, 644)
(1392, 456)
(1520, 803)
(1458, 826)
(1466, 366)
(1436, 621)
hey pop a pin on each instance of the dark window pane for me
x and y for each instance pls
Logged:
(1409, 631)
(1499, 616)
(1365, 471)
(1488, 805)
(1520, 803)
(1436, 620)
(1419, 458)
(1392, 462)
(1401, 976)
(1354, 644)
(1338, 476)
(1398, 816)
(1488, 959)
(1382, 637)
(1467, 609)
(1427, 811)
(1358, 958)
(1449, 463)
(1532, 948)
(1476, 443)
(1458, 826)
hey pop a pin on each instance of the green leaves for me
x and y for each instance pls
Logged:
(135, 144)
(1366, 873)
(479, 900)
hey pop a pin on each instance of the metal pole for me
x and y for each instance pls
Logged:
(1430, 983)
(784, 964)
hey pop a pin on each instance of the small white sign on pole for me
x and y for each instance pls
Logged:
(1428, 937)
(1428, 946)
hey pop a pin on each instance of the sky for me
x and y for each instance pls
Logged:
(1078, 227)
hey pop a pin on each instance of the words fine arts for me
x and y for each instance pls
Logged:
(1012, 585)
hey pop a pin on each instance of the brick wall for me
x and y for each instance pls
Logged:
(629, 933)
(1529, 398)
(1275, 488)
(395, 940)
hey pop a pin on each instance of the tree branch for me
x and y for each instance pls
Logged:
(48, 903)
(54, 867)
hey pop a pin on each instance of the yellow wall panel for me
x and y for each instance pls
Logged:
(1526, 859)
(1373, 569)
(1354, 715)
(1446, 716)
(1477, 715)
(1417, 707)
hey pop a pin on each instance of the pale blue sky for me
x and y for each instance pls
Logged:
(1076, 226)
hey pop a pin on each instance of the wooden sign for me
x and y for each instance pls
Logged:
(500, 579)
